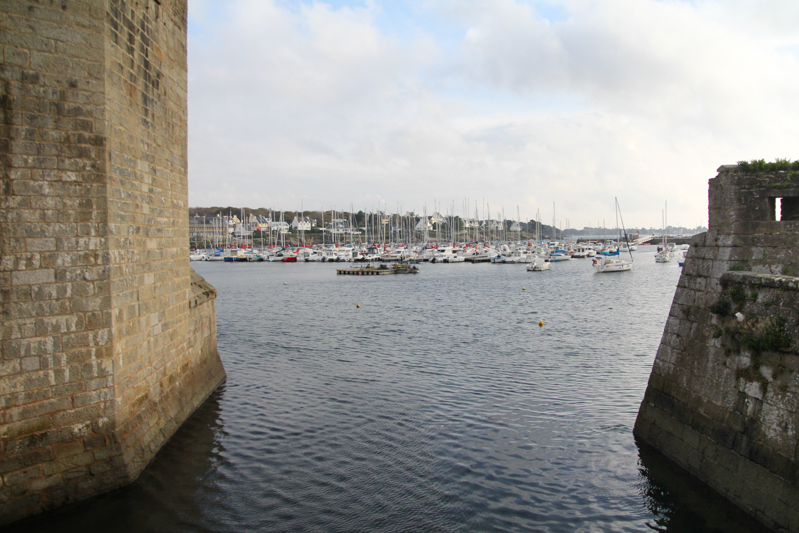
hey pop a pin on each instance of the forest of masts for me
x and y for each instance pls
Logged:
(269, 227)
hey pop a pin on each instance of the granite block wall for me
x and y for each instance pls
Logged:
(723, 397)
(107, 346)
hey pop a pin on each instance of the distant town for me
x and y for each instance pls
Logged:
(230, 225)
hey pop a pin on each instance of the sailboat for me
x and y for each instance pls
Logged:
(665, 251)
(614, 261)
(539, 262)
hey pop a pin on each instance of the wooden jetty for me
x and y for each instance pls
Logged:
(382, 270)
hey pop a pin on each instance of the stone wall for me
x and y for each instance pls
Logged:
(108, 344)
(723, 397)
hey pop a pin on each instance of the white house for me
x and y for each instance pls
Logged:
(424, 224)
(242, 230)
(281, 227)
(301, 223)
(340, 226)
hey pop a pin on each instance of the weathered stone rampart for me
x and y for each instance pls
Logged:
(723, 397)
(108, 338)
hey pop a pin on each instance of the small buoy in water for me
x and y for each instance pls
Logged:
(541, 323)
(358, 306)
(524, 289)
(284, 283)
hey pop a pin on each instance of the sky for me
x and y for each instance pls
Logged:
(512, 104)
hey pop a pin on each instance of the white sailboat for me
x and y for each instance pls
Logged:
(198, 255)
(665, 251)
(614, 262)
(539, 255)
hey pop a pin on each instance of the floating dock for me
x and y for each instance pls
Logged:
(382, 270)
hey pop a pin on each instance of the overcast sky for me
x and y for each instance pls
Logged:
(392, 104)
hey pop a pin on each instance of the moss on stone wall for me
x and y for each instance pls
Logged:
(748, 326)
(769, 334)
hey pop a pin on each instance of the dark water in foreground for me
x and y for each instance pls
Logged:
(438, 405)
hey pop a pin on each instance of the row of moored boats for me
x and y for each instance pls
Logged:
(538, 256)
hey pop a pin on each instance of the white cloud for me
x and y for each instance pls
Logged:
(631, 98)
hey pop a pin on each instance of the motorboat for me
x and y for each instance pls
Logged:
(236, 256)
(311, 256)
(453, 258)
(442, 254)
(611, 263)
(518, 255)
(559, 255)
(539, 264)
(582, 252)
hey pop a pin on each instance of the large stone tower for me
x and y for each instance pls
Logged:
(723, 397)
(108, 338)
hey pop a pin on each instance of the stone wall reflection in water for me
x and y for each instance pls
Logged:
(439, 405)
(681, 504)
(173, 493)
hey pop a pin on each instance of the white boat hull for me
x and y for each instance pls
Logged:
(539, 265)
(603, 265)
(532, 267)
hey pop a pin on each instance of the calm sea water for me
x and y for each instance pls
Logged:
(438, 405)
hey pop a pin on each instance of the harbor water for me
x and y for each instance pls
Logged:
(439, 404)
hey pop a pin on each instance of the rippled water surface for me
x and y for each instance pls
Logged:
(438, 405)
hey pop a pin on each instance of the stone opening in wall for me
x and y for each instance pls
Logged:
(784, 208)
(775, 208)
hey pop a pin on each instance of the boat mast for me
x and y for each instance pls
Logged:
(554, 231)
(618, 214)
(488, 206)
(538, 226)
